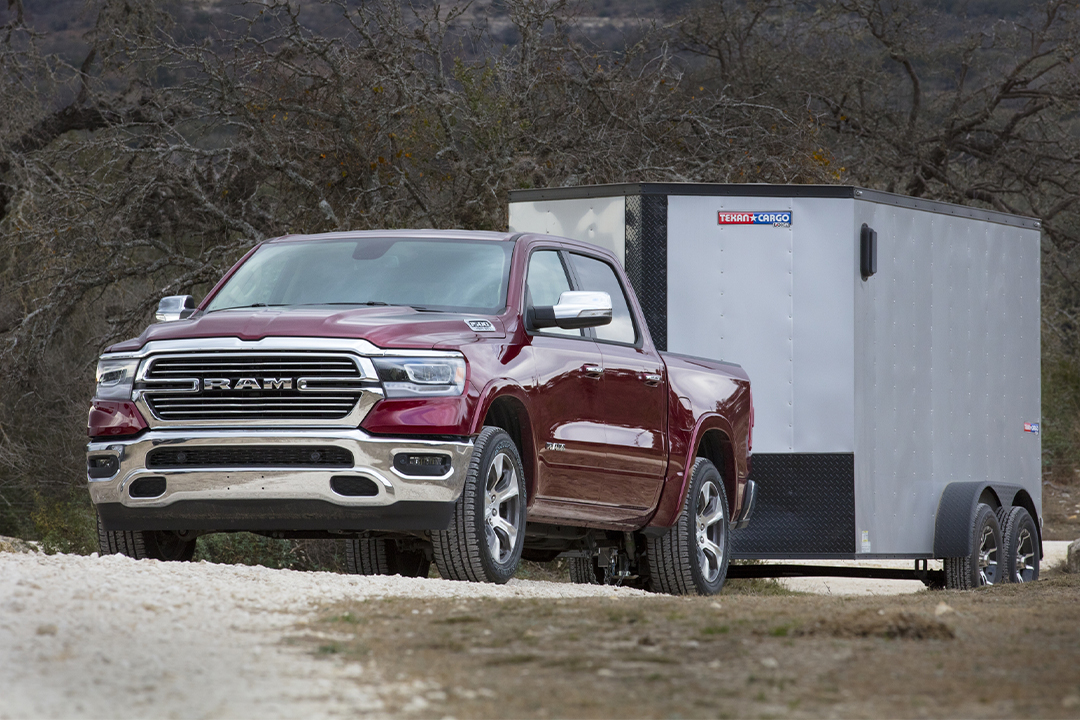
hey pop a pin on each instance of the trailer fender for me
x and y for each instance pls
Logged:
(956, 513)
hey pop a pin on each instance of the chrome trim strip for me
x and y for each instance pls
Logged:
(373, 458)
(368, 398)
(298, 344)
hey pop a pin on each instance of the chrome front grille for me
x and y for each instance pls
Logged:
(226, 386)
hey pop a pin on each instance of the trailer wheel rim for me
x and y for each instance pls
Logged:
(501, 508)
(710, 531)
(1025, 554)
(988, 552)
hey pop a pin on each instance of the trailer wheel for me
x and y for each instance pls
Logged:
(984, 565)
(1020, 540)
(487, 532)
(379, 556)
(585, 571)
(692, 556)
(144, 544)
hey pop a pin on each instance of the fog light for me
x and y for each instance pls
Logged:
(102, 466)
(422, 464)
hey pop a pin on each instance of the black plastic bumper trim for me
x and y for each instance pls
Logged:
(279, 515)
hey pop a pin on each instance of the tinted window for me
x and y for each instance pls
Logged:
(546, 283)
(596, 275)
(448, 275)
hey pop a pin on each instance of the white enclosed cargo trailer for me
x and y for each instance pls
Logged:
(892, 344)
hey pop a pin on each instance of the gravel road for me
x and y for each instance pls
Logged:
(114, 637)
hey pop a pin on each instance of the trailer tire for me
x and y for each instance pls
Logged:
(983, 566)
(487, 531)
(585, 571)
(145, 544)
(380, 556)
(692, 556)
(1020, 543)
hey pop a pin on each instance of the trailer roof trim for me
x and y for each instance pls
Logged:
(767, 190)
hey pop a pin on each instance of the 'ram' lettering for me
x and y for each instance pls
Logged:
(247, 384)
(277, 384)
(216, 383)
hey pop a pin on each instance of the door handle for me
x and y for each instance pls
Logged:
(653, 378)
(592, 369)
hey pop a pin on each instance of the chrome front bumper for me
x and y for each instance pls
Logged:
(288, 498)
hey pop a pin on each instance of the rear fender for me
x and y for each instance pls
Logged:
(674, 492)
(956, 513)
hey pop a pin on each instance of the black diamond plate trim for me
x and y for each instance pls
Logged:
(646, 260)
(805, 505)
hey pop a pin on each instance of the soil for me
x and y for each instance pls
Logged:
(754, 651)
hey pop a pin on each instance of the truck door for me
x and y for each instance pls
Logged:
(633, 395)
(568, 429)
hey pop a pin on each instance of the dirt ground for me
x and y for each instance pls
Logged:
(754, 651)
(1061, 505)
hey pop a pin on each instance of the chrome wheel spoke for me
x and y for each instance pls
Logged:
(502, 498)
(507, 493)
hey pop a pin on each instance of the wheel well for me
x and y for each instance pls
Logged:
(509, 413)
(1023, 499)
(989, 497)
(716, 447)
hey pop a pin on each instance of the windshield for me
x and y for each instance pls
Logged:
(440, 275)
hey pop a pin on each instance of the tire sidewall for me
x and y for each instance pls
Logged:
(985, 516)
(1017, 520)
(499, 442)
(703, 473)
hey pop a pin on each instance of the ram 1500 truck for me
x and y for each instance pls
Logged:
(462, 398)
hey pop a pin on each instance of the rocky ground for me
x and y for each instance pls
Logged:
(112, 637)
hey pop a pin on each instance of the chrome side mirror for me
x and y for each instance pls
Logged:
(174, 307)
(576, 309)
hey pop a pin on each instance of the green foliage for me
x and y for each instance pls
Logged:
(250, 549)
(1061, 411)
(65, 524)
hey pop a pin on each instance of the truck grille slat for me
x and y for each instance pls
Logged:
(250, 456)
(176, 387)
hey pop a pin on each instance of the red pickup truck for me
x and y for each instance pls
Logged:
(462, 398)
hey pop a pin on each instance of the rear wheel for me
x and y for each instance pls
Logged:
(585, 571)
(379, 556)
(145, 544)
(487, 533)
(1020, 543)
(692, 556)
(984, 565)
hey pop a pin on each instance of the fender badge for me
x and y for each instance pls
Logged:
(480, 325)
(1031, 428)
(556, 446)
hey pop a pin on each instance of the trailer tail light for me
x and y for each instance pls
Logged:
(110, 419)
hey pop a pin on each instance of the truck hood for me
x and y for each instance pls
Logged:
(386, 327)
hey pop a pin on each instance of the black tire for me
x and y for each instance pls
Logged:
(679, 562)
(984, 565)
(379, 556)
(585, 571)
(478, 546)
(1020, 543)
(144, 544)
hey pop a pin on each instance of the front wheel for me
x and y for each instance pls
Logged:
(983, 566)
(145, 544)
(487, 532)
(692, 556)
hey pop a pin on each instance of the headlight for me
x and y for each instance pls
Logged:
(115, 379)
(421, 376)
